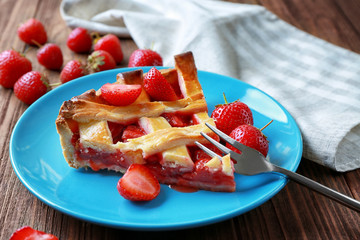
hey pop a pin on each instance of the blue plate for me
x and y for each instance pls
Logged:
(37, 159)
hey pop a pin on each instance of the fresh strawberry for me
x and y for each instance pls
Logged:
(30, 87)
(145, 57)
(32, 32)
(132, 131)
(72, 70)
(28, 233)
(12, 66)
(101, 60)
(138, 184)
(230, 115)
(111, 44)
(120, 94)
(251, 137)
(50, 56)
(158, 87)
(79, 40)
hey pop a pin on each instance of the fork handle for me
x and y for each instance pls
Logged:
(328, 192)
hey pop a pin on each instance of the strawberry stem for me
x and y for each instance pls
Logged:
(55, 84)
(96, 36)
(226, 102)
(266, 125)
(36, 43)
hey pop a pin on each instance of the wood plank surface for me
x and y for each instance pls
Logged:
(294, 213)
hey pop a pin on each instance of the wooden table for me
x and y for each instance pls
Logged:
(294, 213)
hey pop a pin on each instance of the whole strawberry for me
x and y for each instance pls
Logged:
(30, 87)
(158, 87)
(72, 70)
(111, 44)
(230, 115)
(12, 66)
(32, 32)
(120, 94)
(145, 57)
(50, 56)
(79, 40)
(101, 60)
(251, 137)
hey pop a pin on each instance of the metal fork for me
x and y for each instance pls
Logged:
(252, 162)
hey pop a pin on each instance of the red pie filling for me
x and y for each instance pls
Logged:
(200, 177)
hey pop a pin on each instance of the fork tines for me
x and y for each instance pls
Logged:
(220, 146)
(226, 138)
(207, 150)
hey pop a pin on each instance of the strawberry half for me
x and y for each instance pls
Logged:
(31, 234)
(138, 184)
(132, 131)
(120, 94)
(158, 87)
(176, 120)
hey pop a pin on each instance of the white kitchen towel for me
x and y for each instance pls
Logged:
(317, 82)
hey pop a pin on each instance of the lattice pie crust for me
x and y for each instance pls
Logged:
(84, 125)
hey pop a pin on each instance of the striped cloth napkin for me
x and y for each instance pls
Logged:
(317, 82)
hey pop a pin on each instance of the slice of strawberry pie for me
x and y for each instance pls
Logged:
(158, 129)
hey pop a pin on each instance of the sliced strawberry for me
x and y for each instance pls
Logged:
(29, 233)
(157, 87)
(199, 154)
(132, 131)
(176, 120)
(120, 94)
(116, 131)
(138, 184)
